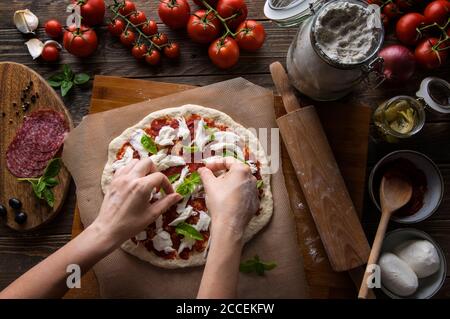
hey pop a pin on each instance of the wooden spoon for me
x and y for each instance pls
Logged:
(395, 192)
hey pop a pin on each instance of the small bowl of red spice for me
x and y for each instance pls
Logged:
(424, 176)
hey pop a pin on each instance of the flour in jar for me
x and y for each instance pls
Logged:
(346, 33)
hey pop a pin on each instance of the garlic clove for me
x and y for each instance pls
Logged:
(35, 47)
(25, 21)
(53, 42)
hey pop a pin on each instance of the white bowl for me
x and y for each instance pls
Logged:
(428, 286)
(435, 184)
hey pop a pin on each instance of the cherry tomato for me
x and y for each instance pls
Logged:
(250, 35)
(139, 51)
(150, 28)
(153, 57)
(172, 51)
(80, 42)
(384, 18)
(391, 10)
(212, 3)
(127, 38)
(174, 13)
(138, 18)
(127, 8)
(224, 53)
(437, 11)
(116, 27)
(428, 55)
(92, 11)
(50, 53)
(228, 8)
(54, 29)
(160, 39)
(203, 28)
(406, 28)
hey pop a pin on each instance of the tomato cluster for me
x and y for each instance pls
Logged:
(140, 34)
(81, 41)
(422, 25)
(221, 24)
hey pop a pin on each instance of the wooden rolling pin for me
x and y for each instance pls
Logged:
(323, 186)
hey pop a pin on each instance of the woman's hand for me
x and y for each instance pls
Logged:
(232, 198)
(126, 208)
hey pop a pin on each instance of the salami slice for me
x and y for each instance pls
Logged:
(36, 142)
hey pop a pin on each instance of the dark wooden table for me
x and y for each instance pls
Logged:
(19, 252)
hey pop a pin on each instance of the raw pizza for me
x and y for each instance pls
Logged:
(180, 141)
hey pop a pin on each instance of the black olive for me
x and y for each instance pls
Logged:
(20, 218)
(3, 211)
(14, 203)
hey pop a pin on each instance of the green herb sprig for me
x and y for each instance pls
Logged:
(66, 79)
(149, 144)
(42, 186)
(256, 265)
(188, 231)
(189, 184)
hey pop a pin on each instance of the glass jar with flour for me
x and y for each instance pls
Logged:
(336, 46)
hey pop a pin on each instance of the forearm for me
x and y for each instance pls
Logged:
(220, 277)
(48, 278)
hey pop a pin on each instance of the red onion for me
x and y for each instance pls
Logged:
(399, 63)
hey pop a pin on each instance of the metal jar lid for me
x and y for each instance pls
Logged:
(435, 92)
(289, 13)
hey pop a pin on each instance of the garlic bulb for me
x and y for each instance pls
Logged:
(25, 21)
(35, 46)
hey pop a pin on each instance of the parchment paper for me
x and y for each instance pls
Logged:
(121, 275)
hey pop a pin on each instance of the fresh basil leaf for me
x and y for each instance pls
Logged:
(212, 137)
(35, 187)
(173, 178)
(149, 144)
(41, 185)
(48, 196)
(259, 183)
(256, 265)
(66, 86)
(81, 78)
(188, 231)
(51, 182)
(189, 184)
(191, 149)
(68, 73)
(57, 77)
(52, 169)
(54, 84)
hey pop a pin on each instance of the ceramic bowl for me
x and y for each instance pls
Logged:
(435, 184)
(428, 286)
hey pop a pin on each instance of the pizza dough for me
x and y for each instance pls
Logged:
(134, 134)
(420, 255)
(397, 276)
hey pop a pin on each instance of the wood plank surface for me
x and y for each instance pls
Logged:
(14, 78)
(19, 252)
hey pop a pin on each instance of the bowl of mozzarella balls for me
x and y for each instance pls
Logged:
(412, 265)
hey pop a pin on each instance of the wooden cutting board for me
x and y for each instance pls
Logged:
(14, 78)
(347, 127)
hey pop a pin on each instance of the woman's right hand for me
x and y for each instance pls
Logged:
(232, 198)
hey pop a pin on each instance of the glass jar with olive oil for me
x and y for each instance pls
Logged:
(399, 117)
(404, 116)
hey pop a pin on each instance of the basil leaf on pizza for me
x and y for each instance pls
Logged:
(188, 231)
(173, 178)
(179, 141)
(149, 144)
(189, 184)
